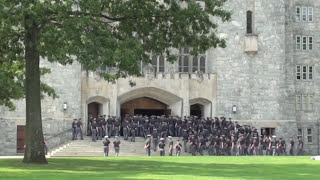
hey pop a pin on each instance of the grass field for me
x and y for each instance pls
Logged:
(158, 168)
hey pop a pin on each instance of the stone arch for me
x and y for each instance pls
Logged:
(207, 105)
(98, 99)
(161, 95)
(173, 102)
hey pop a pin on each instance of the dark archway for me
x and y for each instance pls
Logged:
(196, 110)
(144, 106)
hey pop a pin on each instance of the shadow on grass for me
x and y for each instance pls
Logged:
(70, 168)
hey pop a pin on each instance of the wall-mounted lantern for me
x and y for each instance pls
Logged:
(65, 106)
(234, 108)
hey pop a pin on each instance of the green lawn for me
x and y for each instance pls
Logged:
(165, 168)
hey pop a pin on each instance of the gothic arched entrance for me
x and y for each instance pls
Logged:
(144, 106)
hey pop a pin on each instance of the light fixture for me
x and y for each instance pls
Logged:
(65, 106)
(234, 108)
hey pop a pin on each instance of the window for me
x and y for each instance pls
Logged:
(161, 64)
(203, 64)
(269, 131)
(304, 14)
(298, 14)
(249, 22)
(309, 135)
(310, 73)
(186, 64)
(310, 102)
(304, 102)
(304, 72)
(298, 42)
(298, 102)
(300, 133)
(158, 63)
(310, 42)
(304, 42)
(189, 63)
(298, 72)
(310, 14)
(195, 64)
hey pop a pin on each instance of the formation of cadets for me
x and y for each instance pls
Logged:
(215, 136)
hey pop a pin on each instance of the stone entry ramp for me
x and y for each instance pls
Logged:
(87, 147)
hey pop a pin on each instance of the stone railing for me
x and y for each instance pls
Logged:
(60, 138)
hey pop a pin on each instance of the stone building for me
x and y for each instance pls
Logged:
(267, 77)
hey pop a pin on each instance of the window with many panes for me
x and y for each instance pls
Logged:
(304, 102)
(158, 63)
(304, 42)
(189, 63)
(304, 72)
(309, 135)
(304, 14)
(298, 42)
(298, 14)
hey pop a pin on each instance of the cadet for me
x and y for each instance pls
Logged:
(147, 146)
(291, 146)
(161, 147)
(99, 123)
(79, 129)
(106, 143)
(202, 145)
(170, 145)
(125, 130)
(300, 147)
(74, 126)
(116, 145)
(155, 139)
(133, 132)
(178, 148)
(94, 130)
(185, 137)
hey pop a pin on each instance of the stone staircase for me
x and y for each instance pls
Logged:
(87, 147)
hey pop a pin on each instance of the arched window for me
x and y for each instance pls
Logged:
(249, 22)
(195, 64)
(161, 64)
(203, 64)
(186, 64)
(154, 62)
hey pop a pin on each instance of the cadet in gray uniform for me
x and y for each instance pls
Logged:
(170, 145)
(74, 126)
(116, 145)
(106, 143)
(79, 129)
(94, 130)
(147, 146)
(161, 147)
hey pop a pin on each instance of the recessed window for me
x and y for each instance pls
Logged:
(249, 22)
(298, 14)
(304, 14)
(158, 63)
(298, 42)
(310, 42)
(304, 72)
(310, 14)
(309, 135)
(304, 43)
(189, 63)
(304, 102)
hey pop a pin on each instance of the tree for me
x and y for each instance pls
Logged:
(115, 33)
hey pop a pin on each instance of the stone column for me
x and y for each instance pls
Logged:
(113, 99)
(185, 94)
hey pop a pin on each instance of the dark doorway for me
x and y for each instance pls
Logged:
(196, 110)
(21, 138)
(144, 106)
(94, 109)
(270, 131)
(150, 112)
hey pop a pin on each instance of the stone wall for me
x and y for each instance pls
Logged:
(67, 83)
